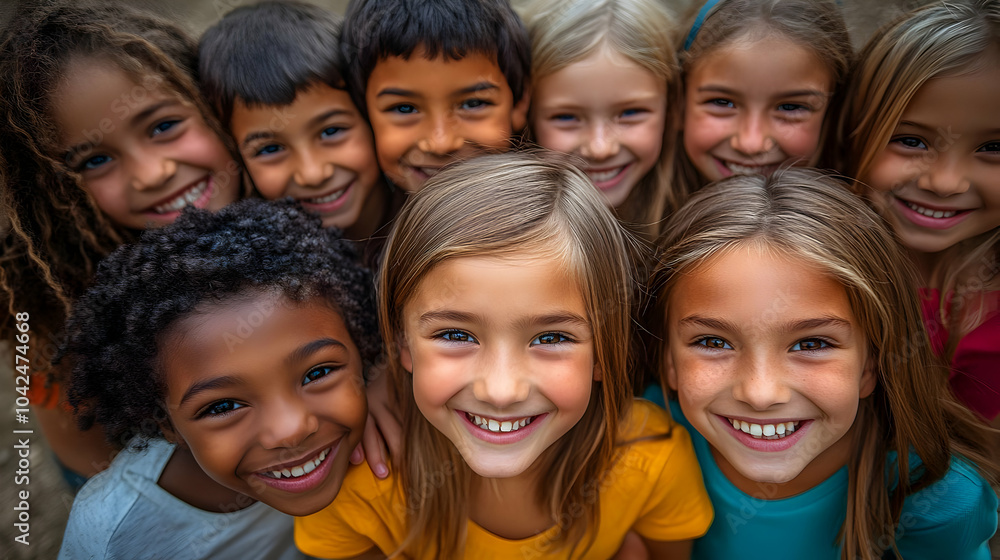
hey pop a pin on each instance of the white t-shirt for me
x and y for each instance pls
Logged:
(122, 513)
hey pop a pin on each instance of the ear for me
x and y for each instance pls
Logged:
(598, 373)
(170, 434)
(519, 115)
(668, 367)
(404, 353)
(868, 379)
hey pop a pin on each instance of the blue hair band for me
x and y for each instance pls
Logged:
(702, 14)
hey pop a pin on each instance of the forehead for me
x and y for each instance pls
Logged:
(965, 100)
(439, 75)
(783, 61)
(316, 101)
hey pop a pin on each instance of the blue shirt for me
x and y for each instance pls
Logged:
(952, 518)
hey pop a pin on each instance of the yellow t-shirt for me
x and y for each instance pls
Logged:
(655, 489)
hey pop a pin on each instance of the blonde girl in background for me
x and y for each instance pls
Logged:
(922, 137)
(760, 85)
(508, 310)
(104, 134)
(602, 72)
(792, 339)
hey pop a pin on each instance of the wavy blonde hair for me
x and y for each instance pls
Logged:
(566, 31)
(505, 205)
(943, 39)
(812, 217)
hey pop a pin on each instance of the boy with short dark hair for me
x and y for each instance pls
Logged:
(273, 72)
(440, 80)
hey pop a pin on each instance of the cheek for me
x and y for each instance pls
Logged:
(889, 172)
(646, 143)
(801, 140)
(548, 136)
(491, 133)
(204, 149)
(269, 180)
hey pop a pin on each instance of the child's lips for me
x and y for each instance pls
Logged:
(191, 195)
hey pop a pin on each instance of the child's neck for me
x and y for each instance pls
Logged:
(508, 507)
(373, 214)
(821, 468)
(183, 478)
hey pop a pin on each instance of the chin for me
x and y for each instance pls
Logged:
(770, 474)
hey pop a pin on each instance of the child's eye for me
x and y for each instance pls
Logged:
(564, 117)
(791, 107)
(330, 131)
(990, 147)
(164, 126)
(714, 343)
(268, 150)
(632, 113)
(457, 336)
(317, 373)
(472, 104)
(725, 103)
(94, 162)
(403, 109)
(220, 408)
(911, 142)
(551, 338)
(810, 344)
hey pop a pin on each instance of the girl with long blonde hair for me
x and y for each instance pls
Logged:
(920, 135)
(504, 297)
(793, 341)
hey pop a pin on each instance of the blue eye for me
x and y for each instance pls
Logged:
(457, 336)
(219, 408)
(725, 103)
(564, 117)
(911, 142)
(268, 150)
(714, 343)
(317, 373)
(632, 112)
(551, 338)
(789, 107)
(404, 109)
(164, 126)
(94, 162)
(330, 131)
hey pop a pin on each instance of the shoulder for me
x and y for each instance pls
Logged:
(958, 511)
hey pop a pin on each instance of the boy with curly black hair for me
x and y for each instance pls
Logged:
(226, 353)
(440, 80)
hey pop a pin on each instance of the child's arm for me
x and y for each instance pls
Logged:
(669, 550)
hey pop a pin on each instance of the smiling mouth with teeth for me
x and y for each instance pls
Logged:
(928, 212)
(602, 176)
(300, 470)
(499, 426)
(738, 169)
(324, 199)
(765, 431)
(186, 198)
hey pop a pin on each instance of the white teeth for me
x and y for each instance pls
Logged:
(496, 425)
(601, 176)
(184, 199)
(328, 198)
(303, 469)
(764, 431)
(928, 212)
(738, 169)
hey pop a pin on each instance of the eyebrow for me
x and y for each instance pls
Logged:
(256, 135)
(474, 88)
(793, 93)
(136, 118)
(224, 381)
(805, 324)
(323, 116)
(554, 319)
(448, 315)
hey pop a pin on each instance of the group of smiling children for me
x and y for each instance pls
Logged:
(431, 291)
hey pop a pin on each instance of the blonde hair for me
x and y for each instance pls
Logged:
(504, 205)
(943, 39)
(563, 32)
(806, 215)
(816, 25)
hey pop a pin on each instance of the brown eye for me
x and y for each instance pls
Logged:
(714, 342)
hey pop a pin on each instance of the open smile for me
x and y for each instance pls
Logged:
(770, 437)
(327, 202)
(197, 194)
(501, 430)
(607, 178)
(300, 476)
(932, 218)
(733, 168)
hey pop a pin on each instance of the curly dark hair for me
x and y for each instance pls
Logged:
(57, 233)
(142, 289)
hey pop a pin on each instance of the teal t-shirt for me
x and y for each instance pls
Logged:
(953, 518)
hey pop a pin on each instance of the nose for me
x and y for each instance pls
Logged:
(287, 422)
(502, 381)
(601, 142)
(761, 383)
(945, 176)
(150, 171)
(312, 171)
(441, 137)
(753, 135)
